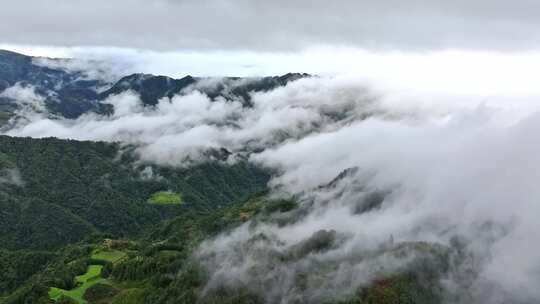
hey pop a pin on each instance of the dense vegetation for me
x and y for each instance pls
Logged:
(17, 266)
(77, 226)
(91, 187)
(157, 268)
(86, 222)
(54, 193)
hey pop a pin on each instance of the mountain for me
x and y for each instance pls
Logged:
(164, 266)
(90, 222)
(151, 88)
(72, 93)
(69, 94)
(85, 222)
(88, 188)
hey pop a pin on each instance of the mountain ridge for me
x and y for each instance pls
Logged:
(71, 93)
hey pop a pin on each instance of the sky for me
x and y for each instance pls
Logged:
(477, 46)
(278, 25)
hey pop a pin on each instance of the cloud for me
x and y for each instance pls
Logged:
(285, 25)
(11, 176)
(26, 96)
(469, 177)
(88, 69)
(451, 76)
(425, 172)
(182, 127)
(23, 105)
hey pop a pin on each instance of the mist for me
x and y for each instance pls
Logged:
(469, 176)
(443, 171)
(179, 129)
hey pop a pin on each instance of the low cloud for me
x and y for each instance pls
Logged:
(469, 177)
(444, 174)
(179, 129)
(87, 69)
(11, 176)
(26, 97)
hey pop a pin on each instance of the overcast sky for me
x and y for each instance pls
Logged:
(479, 48)
(278, 25)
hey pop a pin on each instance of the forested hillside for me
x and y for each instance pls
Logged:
(191, 190)
(55, 192)
(159, 267)
(84, 222)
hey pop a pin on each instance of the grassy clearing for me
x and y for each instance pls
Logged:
(90, 278)
(165, 198)
(85, 281)
(93, 272)
(112, 256)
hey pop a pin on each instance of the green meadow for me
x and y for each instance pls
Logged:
(90, 278)
(87, 280)
(165, 198)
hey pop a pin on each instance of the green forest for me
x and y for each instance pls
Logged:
(84, 222)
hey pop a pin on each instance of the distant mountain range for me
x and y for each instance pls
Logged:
(71, 93)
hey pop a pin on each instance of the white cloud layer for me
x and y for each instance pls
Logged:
(476, 75)
(452, 165)
(469, 176)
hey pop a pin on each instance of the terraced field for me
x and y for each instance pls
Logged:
(112, 256)
(87, 280)
(90, 278)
